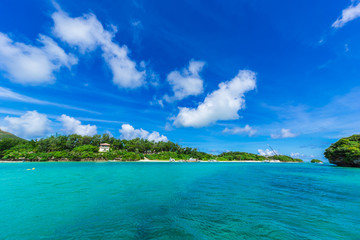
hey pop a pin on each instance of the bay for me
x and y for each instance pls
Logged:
(137, 200)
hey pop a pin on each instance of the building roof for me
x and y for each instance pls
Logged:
(104, 144)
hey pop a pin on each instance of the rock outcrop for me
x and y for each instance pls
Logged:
(345, 152)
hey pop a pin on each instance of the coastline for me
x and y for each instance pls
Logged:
(235, 161)
(150, 161)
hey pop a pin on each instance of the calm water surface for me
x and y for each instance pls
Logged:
(178, 201)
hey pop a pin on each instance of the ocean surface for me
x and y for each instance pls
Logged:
(178, 201)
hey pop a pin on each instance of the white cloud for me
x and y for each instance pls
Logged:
(187, 82)
(110, 134)
(153, 77)
(347, 49)
(285, 133)
(168, 127)
(99, 120)
(267, 152)
(73, 126)
(87, 33)
(8, 94)
(11, 111)
(247, 130)
(29, 125)
(300, 155)
(295, 155)
(348, 14)
(340, 117)
(156, 137)
(27, 64)
(222, 104)
(128, 132)
(156, 101)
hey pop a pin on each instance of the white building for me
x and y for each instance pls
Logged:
(104, 147)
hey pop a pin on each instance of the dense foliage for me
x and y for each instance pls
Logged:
(242, 156)
(9, 143)
(345, 152)
(238, 156)
(4, 135)
(75, 148)
(284, 158)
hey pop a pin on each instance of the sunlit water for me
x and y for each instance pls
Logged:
(178, 201)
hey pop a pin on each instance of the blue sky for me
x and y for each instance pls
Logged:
(216, 75)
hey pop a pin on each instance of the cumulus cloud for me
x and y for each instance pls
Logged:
(29, 125)
(187, 82)
(74, 126)
(222, 104)
(348, 14)
(247, 130)
(128, 132)
(285, 133)
(156, 137)
(267, 152)
(87, 33)
(33, 65)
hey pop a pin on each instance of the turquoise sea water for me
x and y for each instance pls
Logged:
(178, 201)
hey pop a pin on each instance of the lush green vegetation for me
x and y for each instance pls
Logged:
(316, 161)
(243, 156)
(75, 148)
(345, 152)
(284, 158)
(10, 143)
(4, 135)
(179, 156)
(239, 156)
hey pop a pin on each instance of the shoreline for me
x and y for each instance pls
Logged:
(147, 161)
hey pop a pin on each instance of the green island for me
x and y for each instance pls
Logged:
(345, 152)
(86, 148)
(316, 161)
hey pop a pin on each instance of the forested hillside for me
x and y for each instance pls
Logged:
(75, 148)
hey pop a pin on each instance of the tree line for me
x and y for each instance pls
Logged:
(76, 147)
